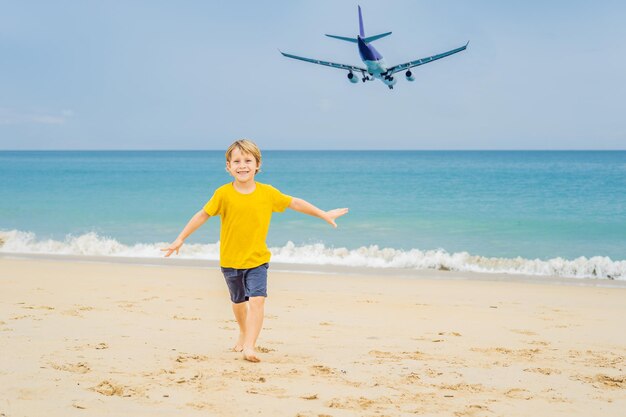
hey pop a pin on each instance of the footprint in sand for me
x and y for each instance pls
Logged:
(439, 340)
(264, 349)
(78, 368)
(380, 354)
(322, 370)
(432, 373)
(543, 371)
(518, 394)
(186, 358)
(517, 353)
(190, 380)
(412, 378)
(524, 332)
(186, 318)
(612, 381)
(473, 388)
(197, 406)
(6, 329)
(200, 405)
(160, 372)
(360, 403)
(76, 312)
(270, 391)
(98, 346)
(38, 308)
(396, 356)
(604, 381)
(253, 378)
(111, 389)
(603, 359)
(24, 316)
(473, 410)
(127, 305)
(554, 396)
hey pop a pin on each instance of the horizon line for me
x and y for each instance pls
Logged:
(321, 150)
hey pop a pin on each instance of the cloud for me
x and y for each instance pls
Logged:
(15, 117)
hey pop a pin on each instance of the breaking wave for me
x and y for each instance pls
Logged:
(600, 267)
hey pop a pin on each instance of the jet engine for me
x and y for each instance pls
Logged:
(409, 76)
(353, 78)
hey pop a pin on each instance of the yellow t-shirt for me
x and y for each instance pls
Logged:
(245, 223)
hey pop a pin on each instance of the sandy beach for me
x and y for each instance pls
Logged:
(98, 339)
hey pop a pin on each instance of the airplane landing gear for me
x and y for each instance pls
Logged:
(390, 87)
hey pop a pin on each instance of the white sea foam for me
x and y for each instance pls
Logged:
(16, 241)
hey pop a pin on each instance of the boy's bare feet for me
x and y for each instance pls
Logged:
(250, 355)
(239, 346)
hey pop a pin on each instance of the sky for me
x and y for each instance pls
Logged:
(156, 75)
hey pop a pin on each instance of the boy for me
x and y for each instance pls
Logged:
(245, 207)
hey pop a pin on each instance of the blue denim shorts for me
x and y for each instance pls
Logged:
(246, 283)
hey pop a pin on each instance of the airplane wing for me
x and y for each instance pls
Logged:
(426, 60)
(326, 63)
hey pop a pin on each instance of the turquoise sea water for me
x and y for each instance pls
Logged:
(499, 204)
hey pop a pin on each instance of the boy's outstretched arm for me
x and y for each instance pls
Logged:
(305, 207)
(196, 221)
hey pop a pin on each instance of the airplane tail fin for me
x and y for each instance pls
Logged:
(343, 38)
(361, 30)
(373, 38)
(366, 40)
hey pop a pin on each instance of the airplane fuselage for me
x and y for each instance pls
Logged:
(371, 58)
(374, 61)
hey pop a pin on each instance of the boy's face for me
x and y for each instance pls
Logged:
(242, 165)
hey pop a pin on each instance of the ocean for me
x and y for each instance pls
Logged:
(553, 213)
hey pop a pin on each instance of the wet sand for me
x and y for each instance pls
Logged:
(97, 339)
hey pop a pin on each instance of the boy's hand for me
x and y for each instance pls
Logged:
(331, 215)
(305, 207)
(175, 246)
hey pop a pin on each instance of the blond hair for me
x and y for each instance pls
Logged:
(245, 146)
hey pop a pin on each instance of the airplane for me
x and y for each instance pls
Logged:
(376, 67)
